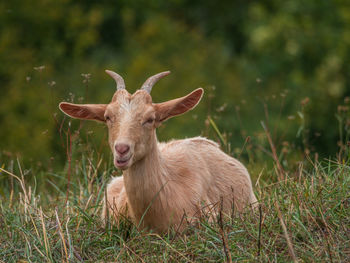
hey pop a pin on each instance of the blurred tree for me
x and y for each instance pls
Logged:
(253, 53)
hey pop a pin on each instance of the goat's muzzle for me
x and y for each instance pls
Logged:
(123, 155)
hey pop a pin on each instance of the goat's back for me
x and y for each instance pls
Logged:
(206, 174)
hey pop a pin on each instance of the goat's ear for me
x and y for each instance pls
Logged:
(84, 111)
(171, 108)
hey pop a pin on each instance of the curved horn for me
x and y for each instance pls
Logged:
(147, 86)
(118, 79)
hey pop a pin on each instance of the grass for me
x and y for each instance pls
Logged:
(303, 218)
(304, 213)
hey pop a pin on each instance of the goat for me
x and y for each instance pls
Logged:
(162, 181)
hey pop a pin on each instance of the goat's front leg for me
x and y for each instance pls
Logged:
(115, 201)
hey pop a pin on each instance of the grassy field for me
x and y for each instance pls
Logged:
(304, 212)
(304, 217)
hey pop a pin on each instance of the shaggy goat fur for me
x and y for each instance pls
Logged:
(162, 181)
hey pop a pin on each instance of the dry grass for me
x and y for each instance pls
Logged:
(305, 217)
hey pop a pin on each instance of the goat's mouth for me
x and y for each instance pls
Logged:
(122, 163)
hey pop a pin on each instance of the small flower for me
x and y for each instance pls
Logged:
(71, 95)
(52, 83)
(285, 143)
(343, 108)
(86, 77)
(222, 108)
(305, 101)
(39, 68)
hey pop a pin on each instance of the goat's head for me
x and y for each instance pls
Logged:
(132, 118)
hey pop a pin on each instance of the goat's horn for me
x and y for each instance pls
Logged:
(118, 79)
(147, 86)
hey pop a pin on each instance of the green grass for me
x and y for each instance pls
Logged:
(304, 217)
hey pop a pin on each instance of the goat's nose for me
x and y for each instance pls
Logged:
(122, 148)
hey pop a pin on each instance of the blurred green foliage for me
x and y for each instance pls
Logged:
(286, 63)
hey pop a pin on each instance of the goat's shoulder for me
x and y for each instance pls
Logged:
(184, 144)
(201, 142)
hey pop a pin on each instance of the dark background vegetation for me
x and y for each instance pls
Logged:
(284, 63)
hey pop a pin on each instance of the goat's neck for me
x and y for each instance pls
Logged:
(145, 180)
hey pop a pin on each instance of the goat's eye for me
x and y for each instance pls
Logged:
(148, 121)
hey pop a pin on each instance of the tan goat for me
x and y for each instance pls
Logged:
(162, 181)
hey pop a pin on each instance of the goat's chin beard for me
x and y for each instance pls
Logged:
(122, 168)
